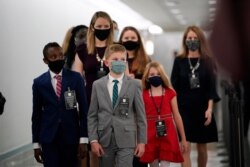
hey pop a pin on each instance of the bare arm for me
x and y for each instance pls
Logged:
(208, 113)
(179, 123)
(78, 65)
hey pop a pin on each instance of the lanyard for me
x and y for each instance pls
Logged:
(193, 68)
(158, 108)
(99, 59)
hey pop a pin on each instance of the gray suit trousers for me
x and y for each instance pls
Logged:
(116, 157)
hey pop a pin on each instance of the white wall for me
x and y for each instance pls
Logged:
(165, 45)
(26, 26)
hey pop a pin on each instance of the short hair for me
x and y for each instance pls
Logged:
(114, 48)
(49, 45)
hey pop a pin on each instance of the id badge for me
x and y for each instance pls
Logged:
(101, 72)
(123, 107)
(194, 80)
(161, 129)
(70, 99)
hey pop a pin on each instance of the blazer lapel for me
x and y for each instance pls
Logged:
(105, 90)
(49, 84)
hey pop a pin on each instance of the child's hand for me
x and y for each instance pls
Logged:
(96, 148)
(184, 146)
(139, 150)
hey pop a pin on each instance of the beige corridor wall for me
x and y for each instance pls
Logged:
(26, 26)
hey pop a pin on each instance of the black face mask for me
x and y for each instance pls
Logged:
(131, 45)
(155, 81)
(192, 45)
(102, 34)
(56, 66)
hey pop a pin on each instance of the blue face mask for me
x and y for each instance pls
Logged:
(155, 81)
(118, 67)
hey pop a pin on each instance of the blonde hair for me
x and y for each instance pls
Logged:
(65, 44)
(204, 47)
(114, 48)
(160, 69)
(140, 57)
(91, 33)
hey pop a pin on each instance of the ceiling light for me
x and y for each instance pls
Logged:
(170, 4)
(212, 9)
(155, 29)
(175, 11)
(149, 47)
(212, 2)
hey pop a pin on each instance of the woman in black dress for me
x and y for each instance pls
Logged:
(193, 77)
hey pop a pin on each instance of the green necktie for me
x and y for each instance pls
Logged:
(115, 92)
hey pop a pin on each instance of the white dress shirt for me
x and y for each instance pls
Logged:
(111, 84)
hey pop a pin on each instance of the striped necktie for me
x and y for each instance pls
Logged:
(58, 85)
(115, 92)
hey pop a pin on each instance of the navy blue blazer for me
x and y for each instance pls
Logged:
(49, 112)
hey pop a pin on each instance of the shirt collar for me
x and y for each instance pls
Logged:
(52, 74)
(119, 79)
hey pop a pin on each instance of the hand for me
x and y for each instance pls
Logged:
(96, 148)
(208, 116)
(131, 75)
(184, 146)
(139, 150)
(38, 155)
(83, 150)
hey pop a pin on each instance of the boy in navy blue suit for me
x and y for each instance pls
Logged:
(59, 119)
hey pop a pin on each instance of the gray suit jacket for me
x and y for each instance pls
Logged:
(128, 122)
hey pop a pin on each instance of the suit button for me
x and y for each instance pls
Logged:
(113, 113)
(59, 120)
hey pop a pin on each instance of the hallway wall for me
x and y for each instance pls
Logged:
(26, 26)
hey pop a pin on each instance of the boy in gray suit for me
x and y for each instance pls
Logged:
(116, 118)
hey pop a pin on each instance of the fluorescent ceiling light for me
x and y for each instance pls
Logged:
(170, 4)
(175, 11)
(212, 2)
(155, 29)
(212, 9)
(149, 47)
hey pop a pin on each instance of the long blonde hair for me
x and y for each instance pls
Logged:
(163, 75)
(65, 44)
(204, 47)
(91, 33)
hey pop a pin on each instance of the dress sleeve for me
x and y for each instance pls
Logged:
(212, 91)
(175, 80)
(171, 93)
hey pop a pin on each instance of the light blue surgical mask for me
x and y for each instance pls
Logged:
(118, 67)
